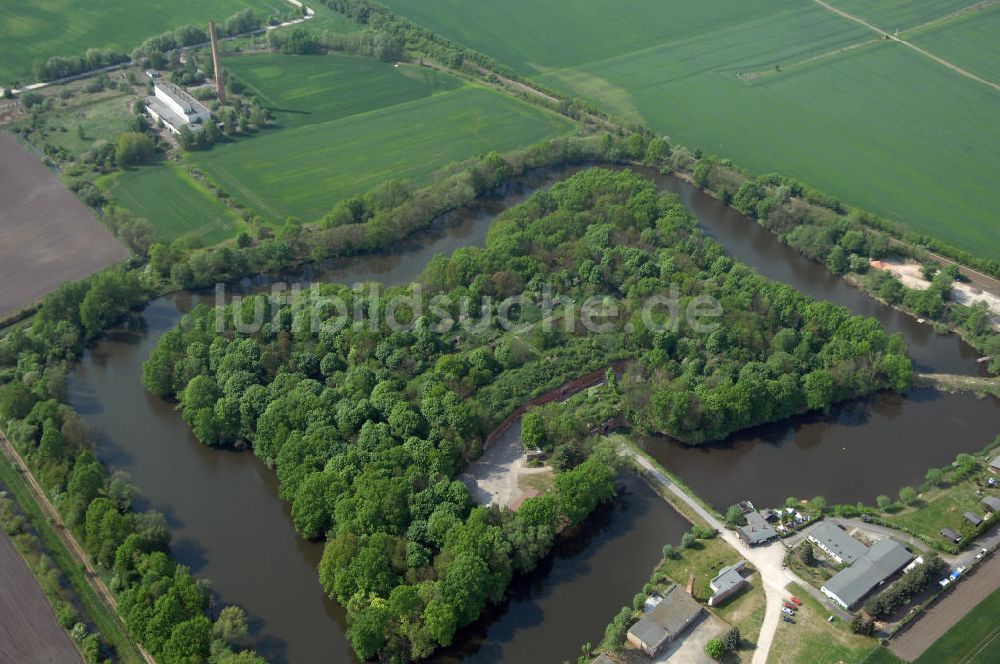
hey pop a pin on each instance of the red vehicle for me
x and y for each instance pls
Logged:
(796, 600)
(789, 605)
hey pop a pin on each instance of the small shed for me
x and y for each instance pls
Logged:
(951, 535)
(973, 518)
(991, 503)
(995, 465)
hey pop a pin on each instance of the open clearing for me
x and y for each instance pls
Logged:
(174, 202)
(880, 125)
(972, 639)
(346, 124)
(29, 633)
(47, 236)
(40, 29)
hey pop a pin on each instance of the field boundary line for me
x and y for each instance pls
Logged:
(96, 582)
(924, 52)
(959, 13)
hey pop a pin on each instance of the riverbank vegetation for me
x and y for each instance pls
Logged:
(162, 606)
(367, 426)
(99, 636)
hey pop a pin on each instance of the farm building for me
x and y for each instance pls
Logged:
(951, 535)
(973, 518)
(757, 531)
(991, 503)
(869, 571)
(176, 108)
(664, 623)
(727, 583)
(835, 541)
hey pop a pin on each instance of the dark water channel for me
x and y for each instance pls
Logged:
(230, 526)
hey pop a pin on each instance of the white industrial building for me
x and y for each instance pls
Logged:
(176, 108)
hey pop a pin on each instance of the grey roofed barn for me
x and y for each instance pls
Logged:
(992, 503)
(883, 559)
(835, 541)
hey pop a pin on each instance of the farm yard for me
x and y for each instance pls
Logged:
(776, 86)
(47, 235)
(39, 30)
(346, 124)
(29, 633)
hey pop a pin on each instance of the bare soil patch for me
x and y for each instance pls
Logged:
(29, 633)
(47, 235)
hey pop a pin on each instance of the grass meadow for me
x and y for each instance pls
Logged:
(38, 30)
(345, 124)
(776, 85)
(174, 202)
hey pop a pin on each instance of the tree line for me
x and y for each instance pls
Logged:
(163, 606)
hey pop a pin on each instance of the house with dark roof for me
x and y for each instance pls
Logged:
(667, 621)
(874, 567)
(991, 503)
(951, 535)
(837, 544)
(757, 531)
(727, 583)
(973, 518)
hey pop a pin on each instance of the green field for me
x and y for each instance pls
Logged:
(38, 30)
(174, 202)
(346, 124)
(879, 126)
(972, 42)
(973, 640)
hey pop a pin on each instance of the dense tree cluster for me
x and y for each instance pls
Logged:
(368, 426)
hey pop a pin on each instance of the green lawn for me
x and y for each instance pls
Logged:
(812, 639)
(346, 124)
(174, 202)
(879, 126)
(38, 30)
(940, 508)
(974, 640)
(102, 121)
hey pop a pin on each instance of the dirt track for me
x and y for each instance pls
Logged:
(942, 616)
(29, 633)
(47, 236)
